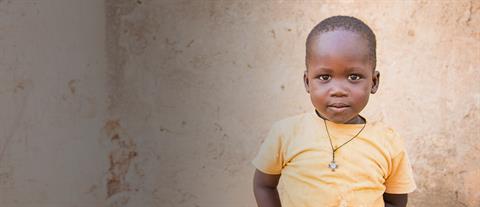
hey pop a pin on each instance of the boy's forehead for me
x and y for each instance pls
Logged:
(340, 43)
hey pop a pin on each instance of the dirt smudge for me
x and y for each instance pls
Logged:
(274, 35)
(120, 157)
(71, 86)
(190, 43)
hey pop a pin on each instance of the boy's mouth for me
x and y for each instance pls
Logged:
(338, 107)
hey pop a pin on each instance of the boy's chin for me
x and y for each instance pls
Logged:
(339, 119)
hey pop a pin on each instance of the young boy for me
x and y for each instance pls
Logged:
(333, 156)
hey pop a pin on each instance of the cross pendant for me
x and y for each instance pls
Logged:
(332, 165)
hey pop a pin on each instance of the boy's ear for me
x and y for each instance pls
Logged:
(305, 81)
(376, 82)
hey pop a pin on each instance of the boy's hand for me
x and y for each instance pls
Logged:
(395, 200)
(265, 189)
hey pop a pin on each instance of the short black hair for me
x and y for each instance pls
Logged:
(344, 23)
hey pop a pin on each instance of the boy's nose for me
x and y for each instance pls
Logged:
(338, 90)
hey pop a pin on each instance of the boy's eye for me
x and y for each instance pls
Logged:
(354, 77)
(324, 77)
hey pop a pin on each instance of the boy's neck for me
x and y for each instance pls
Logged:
(356, 120)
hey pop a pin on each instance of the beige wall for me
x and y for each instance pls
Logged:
(170, 108)
(52, 103)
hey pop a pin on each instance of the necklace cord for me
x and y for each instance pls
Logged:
(330, 139)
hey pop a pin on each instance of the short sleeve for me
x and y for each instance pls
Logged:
(270, 158)
(400, 178)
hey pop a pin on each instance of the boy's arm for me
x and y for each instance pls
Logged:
(265, 189)
(395, 200)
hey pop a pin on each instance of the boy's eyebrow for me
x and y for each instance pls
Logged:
(325, 68)
(355, 68)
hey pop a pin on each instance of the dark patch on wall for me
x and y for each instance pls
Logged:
(411, 33)
(19, 86)
(117, 54)
(6, 175)
(71, 86)
(127, 37)
(120, 157)
(190, 43)
(274, 36)
(20, 94)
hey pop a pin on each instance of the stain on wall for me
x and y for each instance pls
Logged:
(121, 157)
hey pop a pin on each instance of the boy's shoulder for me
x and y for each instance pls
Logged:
(383, 128)
(294, 126)
(389, 136)
(292, 121)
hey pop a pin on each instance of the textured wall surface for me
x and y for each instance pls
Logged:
(206, 79)
(53, 102)
(129, 103)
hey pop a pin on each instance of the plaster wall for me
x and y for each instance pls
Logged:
(53, 102)
(165, 103)
(204, 81)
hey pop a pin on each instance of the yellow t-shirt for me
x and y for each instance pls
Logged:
(373, 163)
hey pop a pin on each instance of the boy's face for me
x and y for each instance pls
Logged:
(340, 75)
